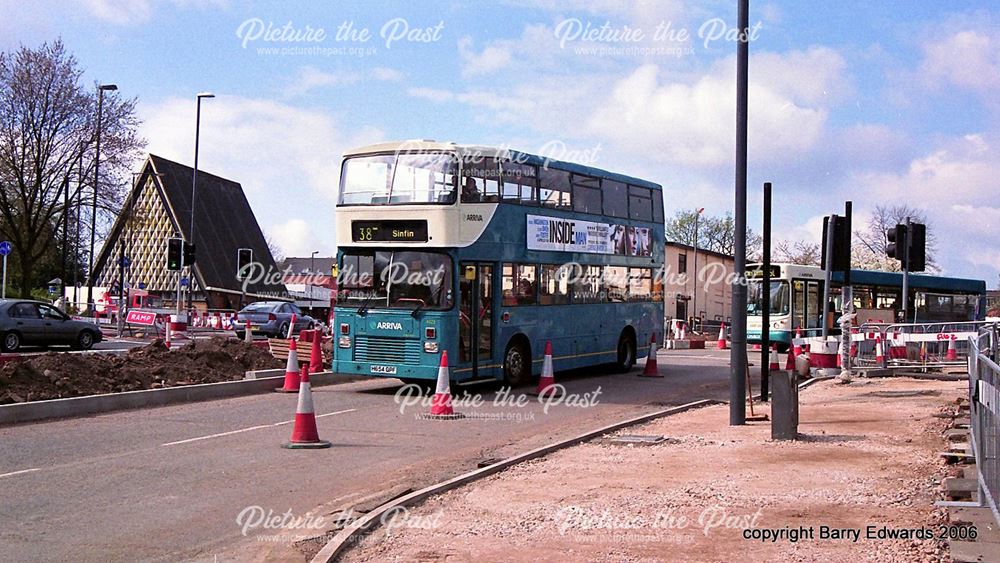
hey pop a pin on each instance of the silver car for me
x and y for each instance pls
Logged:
(36, 323)
(272, 318)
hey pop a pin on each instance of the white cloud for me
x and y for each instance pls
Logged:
(297, 238)
(310, 78)
(692, 122)
(431, 94)
(489, 60)
(286, 157)
(387, 74)
(120, 12)
(967, 59)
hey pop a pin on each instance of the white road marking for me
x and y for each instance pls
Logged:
(241, 430)
(12, 473)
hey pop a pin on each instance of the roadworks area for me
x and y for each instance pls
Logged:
(60, 375)
(859, 485)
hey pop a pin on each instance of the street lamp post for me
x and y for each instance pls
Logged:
(694, 305)
(93, 207)
(194, 187)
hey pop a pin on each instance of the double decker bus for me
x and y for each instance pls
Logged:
(487, 253)
(796, 296)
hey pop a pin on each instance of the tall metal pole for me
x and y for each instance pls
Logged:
(694, 304)
(906, 273)
(194, 186)
(765, 322)
(847, 300)
(738, 354)
(827, 275)
(93, 206)
(76, 240)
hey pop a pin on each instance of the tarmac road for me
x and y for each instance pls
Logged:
(168, 483)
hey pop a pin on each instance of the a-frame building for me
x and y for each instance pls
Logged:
(158, 208)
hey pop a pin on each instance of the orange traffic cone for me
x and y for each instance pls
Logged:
(854, 344)
(879, 354)
(952, 354)
(248, 332)
(291, 328)
(166, 340)
(316, 355)
(304, 432)
(773, 363)
(790, 362)
(547, 381)
(722, 337)
(441, 404)
(291, 370)
(797, 343)
(650, 369)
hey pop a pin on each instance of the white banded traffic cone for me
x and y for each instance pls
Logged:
(773, 364)
(291, 370)
(797, 343)
(441, 404)
(166, 340)
(305, 435)
(547, 381)
(651, 369)
(291, 328)
(952, 354)
(722, 337)
(248, 332)
(879, 354)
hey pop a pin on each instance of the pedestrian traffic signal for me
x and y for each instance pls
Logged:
(244, 257)
(175, 251)
(188, 253)
(917, 249)
(841, 244)
(897, 244)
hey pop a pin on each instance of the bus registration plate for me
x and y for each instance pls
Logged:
(389, 370)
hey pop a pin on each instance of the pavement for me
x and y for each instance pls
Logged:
(857, 484)
(168, 483)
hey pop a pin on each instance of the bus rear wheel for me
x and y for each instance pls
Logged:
(626, 352)
(516, 364)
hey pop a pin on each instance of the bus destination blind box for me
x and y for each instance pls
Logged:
(389, 231)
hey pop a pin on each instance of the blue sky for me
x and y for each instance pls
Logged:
(874, 102)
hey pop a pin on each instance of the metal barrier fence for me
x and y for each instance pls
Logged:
(915, 345)
(984, 415)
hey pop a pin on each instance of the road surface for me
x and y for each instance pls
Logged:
(168, 483)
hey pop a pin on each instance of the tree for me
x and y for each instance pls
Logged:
(716, 234)
(797, 252)
(868, 250)
(47, 132)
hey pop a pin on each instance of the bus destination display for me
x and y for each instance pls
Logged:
(389, 231)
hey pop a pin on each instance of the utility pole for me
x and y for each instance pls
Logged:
(694, 304)
(906, 272)
(93, 208)
(738, 353)
(765, 292)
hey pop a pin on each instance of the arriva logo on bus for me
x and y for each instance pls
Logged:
(386, 325)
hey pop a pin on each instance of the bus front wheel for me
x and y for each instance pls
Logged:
(516, 364)
(626, 352)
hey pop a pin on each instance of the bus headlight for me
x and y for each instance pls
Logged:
(430, 347)
(344, 342)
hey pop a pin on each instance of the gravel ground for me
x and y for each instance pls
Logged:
(867, 458)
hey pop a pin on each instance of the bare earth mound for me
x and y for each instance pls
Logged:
(59, 375)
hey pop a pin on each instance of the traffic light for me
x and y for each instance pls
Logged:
(841, 244)
(897, 243)
(244, 257)
(175, 252)
(188, 253)
(917, 251)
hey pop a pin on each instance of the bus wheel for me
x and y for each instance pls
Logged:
(626, 352)
(516, 364)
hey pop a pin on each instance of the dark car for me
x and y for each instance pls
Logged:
(271, 318)
(41, 324)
